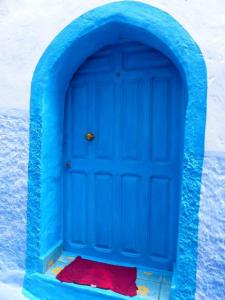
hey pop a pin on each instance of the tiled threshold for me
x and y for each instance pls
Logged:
(152, 284)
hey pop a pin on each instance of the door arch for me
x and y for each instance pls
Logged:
(83, 37)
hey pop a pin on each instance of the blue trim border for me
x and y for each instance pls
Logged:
(84, 36)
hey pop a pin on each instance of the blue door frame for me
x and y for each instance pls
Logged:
(83, 37)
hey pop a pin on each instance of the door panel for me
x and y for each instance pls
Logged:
(122, 189)
(80, 119)
(158, 219)
(130, 227)
(160, 120)
(79, 204)
(104, 112)
(130, 119)
(103, 221)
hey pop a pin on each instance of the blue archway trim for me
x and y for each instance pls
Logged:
(84, 36)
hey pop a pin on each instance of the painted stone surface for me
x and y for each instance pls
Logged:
(102, 26)
(210, 283)
(211, 241)
(13, 197)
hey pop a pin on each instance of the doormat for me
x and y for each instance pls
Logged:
(101, 275)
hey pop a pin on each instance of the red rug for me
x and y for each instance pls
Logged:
(105, 276)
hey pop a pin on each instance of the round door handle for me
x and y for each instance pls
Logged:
(89, 136)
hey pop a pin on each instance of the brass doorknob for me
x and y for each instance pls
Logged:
(89, 136)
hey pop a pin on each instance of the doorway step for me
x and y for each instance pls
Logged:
(152, 284)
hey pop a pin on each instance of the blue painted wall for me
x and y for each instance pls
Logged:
(13, 185)
(14, 142)
(211, 238)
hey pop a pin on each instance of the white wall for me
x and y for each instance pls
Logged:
(26, 29)
(28, 26)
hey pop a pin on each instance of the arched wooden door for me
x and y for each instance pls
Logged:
(121, 184)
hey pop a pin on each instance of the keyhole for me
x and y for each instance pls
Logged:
(67, 165)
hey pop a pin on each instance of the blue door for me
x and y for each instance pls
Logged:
(123, 152)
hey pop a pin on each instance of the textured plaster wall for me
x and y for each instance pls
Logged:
(13, 193)
(211, 257)
(26, 28)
